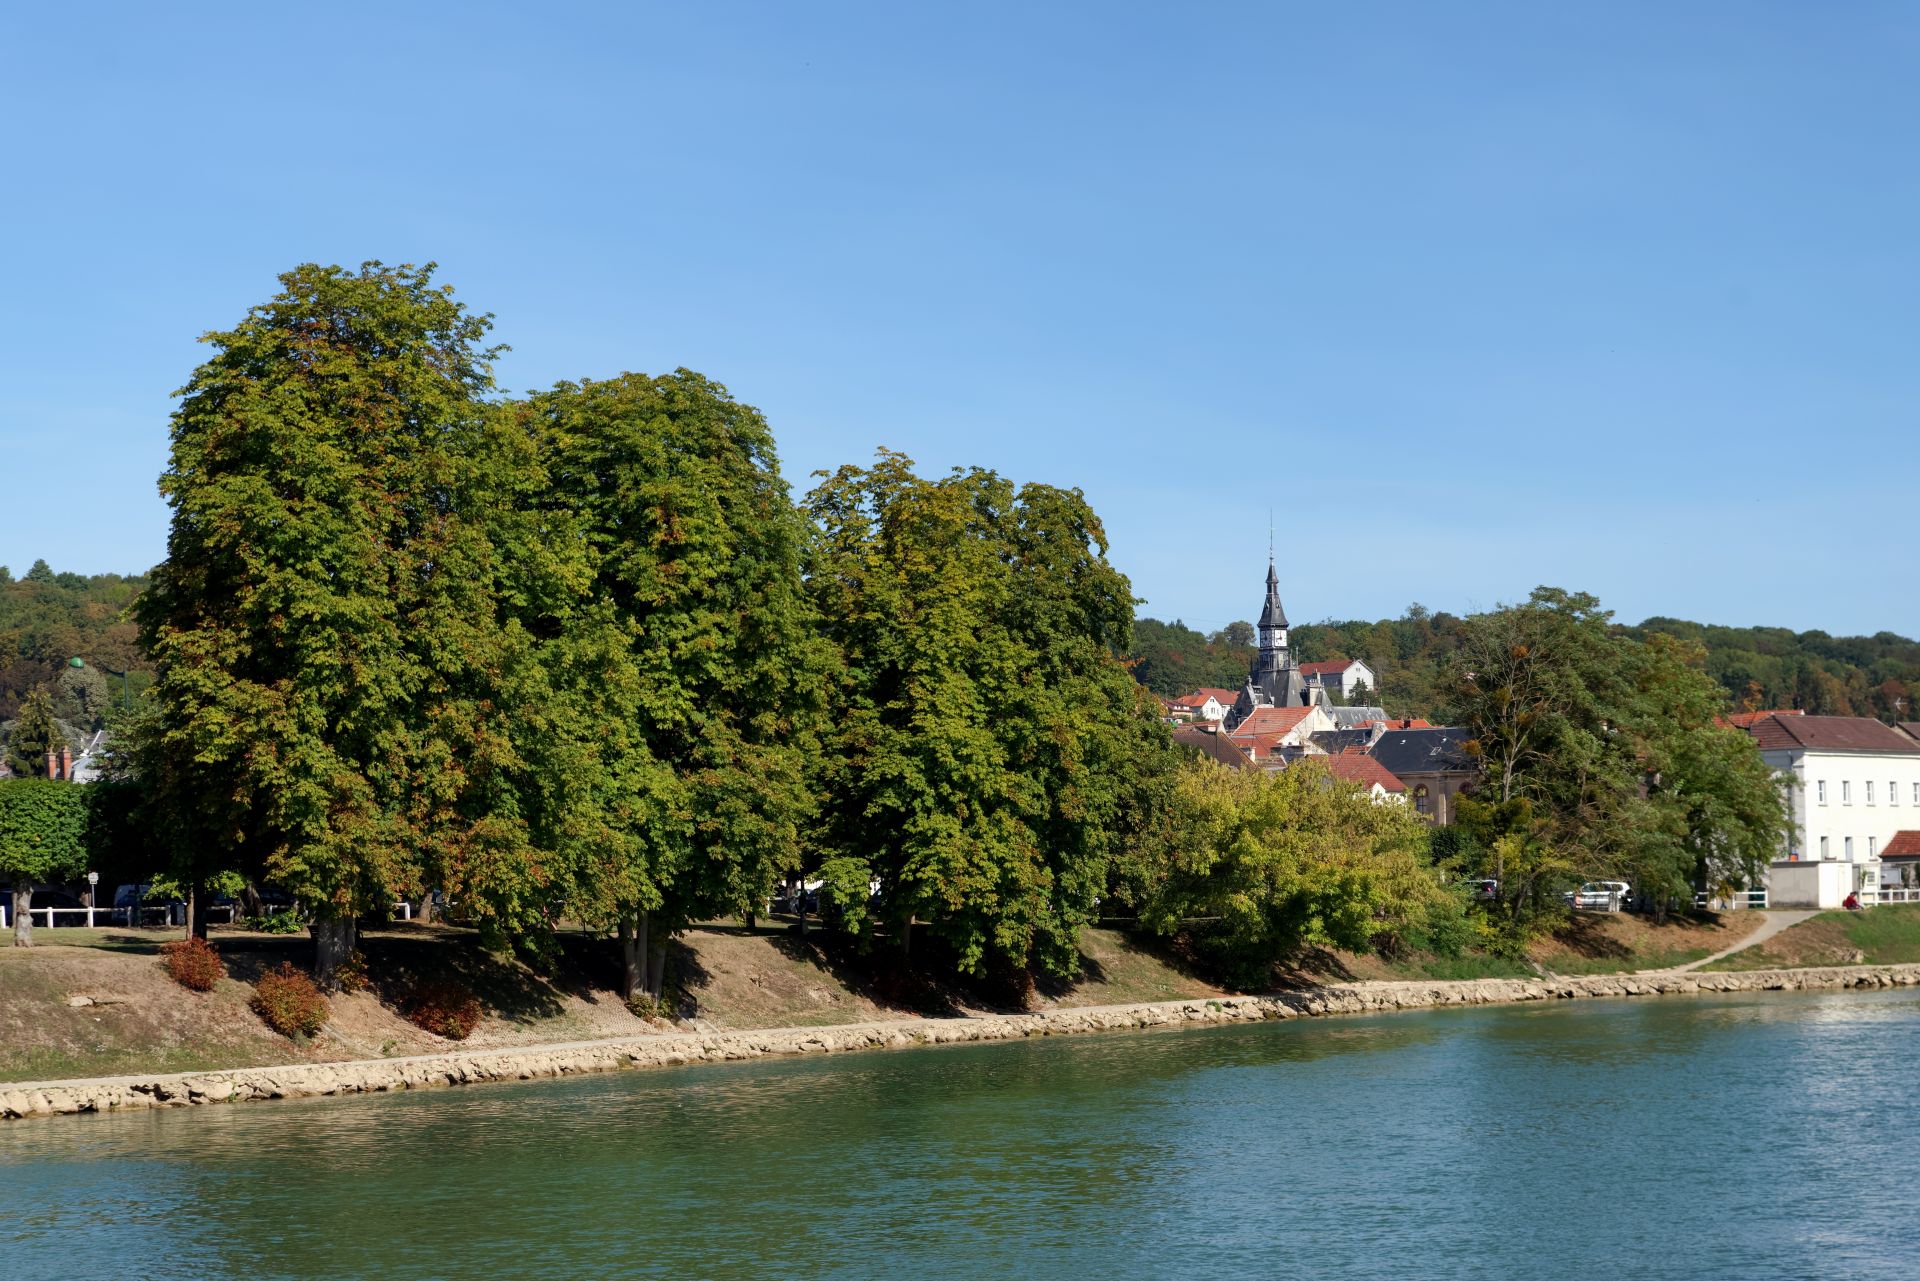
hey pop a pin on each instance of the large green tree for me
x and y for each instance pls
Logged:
(316, 612)
(43, 829)
(1604, 758)
(989, 754)
(1261, 863)
(683, 675)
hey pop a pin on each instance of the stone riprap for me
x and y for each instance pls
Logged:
(525, 1063)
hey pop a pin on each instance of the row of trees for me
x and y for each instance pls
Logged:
(580, 655)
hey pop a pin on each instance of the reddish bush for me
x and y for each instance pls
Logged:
(192, 963)
(445, 1008)
(289, 1002)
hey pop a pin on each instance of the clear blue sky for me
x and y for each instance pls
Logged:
(1472, 296)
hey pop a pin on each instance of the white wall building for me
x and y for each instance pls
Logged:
(1856, 783)
(1342, 674)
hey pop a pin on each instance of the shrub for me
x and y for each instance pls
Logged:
(193, 963)
(444, 1008)
(351, 974)
(285, 921)
(289, 1002)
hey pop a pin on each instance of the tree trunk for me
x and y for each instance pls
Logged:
(22, 912)
(425, 915)
(197, 911)
(657, 967)
(332, 940)
(631, 934)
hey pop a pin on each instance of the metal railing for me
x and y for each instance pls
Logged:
(1737, 899)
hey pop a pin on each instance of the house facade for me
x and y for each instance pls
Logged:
(1340, 676)
(1855, 787)
(1433, 764)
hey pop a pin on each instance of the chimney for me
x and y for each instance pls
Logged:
(53, 763)
(66, 763)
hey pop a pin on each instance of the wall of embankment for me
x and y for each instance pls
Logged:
(525, 1063)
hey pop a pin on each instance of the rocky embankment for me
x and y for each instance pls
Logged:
(467, 1067)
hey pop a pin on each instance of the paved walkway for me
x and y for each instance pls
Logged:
(1775, 922)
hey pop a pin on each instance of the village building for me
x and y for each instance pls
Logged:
(1433, 763)
(1356, 766)
(1855, 787)
(1201, 705)
(1342, 676)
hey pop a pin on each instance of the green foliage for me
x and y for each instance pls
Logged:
(1603, 758)
(33, 735)
(43, 829)
(677, 667)
(289, 1003)
(47, 619)
(193, 964)
(1172, 659)
(989, 757)
(315, 623)
(285, 921)
(1266, 863)
(83, 699)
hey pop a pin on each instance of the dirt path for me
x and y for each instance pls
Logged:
(1774, 924)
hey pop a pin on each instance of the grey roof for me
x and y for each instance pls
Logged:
(1425, 751)
(1335, 741)
(1354, 717)
(1272, 614)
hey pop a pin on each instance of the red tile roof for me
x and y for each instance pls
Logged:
(1331, 667)
(1275, 721)
(1199, 698)
(1903, 845)
(1400, 722)
(1777, 732)
(1214, 746)
(1356, 766)
(1743, 720)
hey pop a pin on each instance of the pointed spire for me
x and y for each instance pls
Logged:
(1273, 614)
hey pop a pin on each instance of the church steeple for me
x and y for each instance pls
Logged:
(1273, 617)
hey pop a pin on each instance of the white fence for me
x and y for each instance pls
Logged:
(162, 914)
(1738, 899)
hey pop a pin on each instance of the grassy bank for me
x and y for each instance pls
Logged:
(1878, 936)
(97, 1002)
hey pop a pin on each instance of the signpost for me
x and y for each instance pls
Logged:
(93, 895)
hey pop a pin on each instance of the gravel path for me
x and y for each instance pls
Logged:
(1775, 922)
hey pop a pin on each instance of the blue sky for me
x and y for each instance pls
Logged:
(1471, 296)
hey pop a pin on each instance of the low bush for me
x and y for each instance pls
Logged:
(285, 921)
(289, 1002)
(192, 963)
(445, 1008)
(351, 974)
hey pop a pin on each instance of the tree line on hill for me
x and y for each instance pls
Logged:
(580, 656)
(1412, 657)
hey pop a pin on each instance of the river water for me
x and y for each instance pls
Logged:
(1742, 1137)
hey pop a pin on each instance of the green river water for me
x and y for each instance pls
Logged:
(1743, 1137)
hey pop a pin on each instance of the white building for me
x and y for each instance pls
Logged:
(1856, 783)
(1202, 704)
(1343, 674)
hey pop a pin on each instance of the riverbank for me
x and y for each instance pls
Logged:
(467, 1067)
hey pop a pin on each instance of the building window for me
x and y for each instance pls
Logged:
(1869, 791)
(1823, 847)
(1847, 845)
(1893, 792)
(1873, 847)
(1421, 800)
(1846, 791)
(1822, 786)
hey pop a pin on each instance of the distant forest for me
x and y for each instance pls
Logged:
(48, 618)
(1413, 657)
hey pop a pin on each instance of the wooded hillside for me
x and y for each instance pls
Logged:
(47, 618)
(1757, 666)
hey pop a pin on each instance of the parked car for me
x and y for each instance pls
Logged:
(1600, 896)
(1483, 890)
